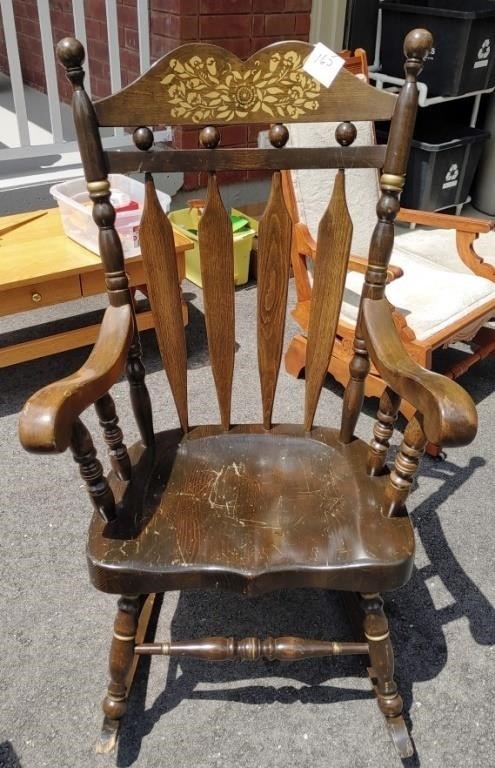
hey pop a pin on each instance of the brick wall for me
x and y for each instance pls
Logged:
(241, 26)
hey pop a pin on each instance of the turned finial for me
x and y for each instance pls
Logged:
(70, 52)
(417, 44)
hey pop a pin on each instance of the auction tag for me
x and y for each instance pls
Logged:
(323, 64)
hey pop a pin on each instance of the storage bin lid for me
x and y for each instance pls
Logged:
(434, 137)
(456, 9)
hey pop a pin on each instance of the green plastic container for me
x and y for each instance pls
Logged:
(186, 220)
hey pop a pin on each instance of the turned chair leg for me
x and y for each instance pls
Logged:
(120, 662)
(381, 655)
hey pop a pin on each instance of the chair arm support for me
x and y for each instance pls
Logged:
(46, 421)
(305, 242)
(449, 414)
(445, 221)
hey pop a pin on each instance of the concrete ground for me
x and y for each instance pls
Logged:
(56, 628)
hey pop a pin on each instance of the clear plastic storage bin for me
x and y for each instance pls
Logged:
(76, 211)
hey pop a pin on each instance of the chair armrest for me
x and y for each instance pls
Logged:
(306, 246)
(445, 221)
(358, 264)
(46, 421)
(449, 414)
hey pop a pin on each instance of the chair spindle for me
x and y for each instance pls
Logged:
(383, 431)
(252, 648)
(140, 397)
(112, 434)
(84, 454)
(274, 243)
(217, 273)
(405, 467)
(354, 392)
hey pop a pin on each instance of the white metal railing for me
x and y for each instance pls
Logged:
(30, 140)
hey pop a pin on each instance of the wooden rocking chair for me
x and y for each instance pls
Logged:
(261, 506)
(441, 289)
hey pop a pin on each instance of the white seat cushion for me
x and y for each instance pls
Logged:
(439, 246)
(430, 297)
(437, 289)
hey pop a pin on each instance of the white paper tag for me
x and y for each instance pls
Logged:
(323, 64)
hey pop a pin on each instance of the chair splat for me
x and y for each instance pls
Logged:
(274, 243)
(158, 250)
(332, 256)
(217, 274)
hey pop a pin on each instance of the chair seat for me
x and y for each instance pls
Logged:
(252, 511)
(439, 247)
(430, 297)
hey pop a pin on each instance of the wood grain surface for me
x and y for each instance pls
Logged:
(332, 255)
(274, 248)
(216, 247)
(160, 263)
(160, 95)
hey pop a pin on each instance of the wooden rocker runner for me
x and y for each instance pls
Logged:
(261, 506)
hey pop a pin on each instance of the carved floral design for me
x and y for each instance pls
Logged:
(206, 90)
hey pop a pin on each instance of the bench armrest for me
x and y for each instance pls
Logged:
(449, 414)
(306, 246)
(46, 421)
(445, 221)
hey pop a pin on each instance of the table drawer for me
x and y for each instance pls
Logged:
(38, 295)
(94, 282)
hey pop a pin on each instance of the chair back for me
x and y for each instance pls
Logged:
(206, 86)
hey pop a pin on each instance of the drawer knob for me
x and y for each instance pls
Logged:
(36, 297)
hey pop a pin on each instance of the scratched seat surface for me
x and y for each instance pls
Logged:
(252, 510)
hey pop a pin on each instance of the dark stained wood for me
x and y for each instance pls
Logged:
(381, 653)
(416, 44)
(449, 414)
(250, 510)
(165, 160)
(71, 54)
(157, 247)
(252, 648)
(112, 433)
(217, 274)
(332, 254)
(354, 392)
(138, 391)
(160, 96)
(278, 135)
(383, 431)
(274, 247)
(405, 466)
(45, 424)
(120, 662)
(253, 507)
(91, 471)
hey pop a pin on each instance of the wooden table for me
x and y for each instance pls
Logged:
(41, 266)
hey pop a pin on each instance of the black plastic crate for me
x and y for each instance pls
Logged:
(360, 26)
(463, 57)
(441, 166)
